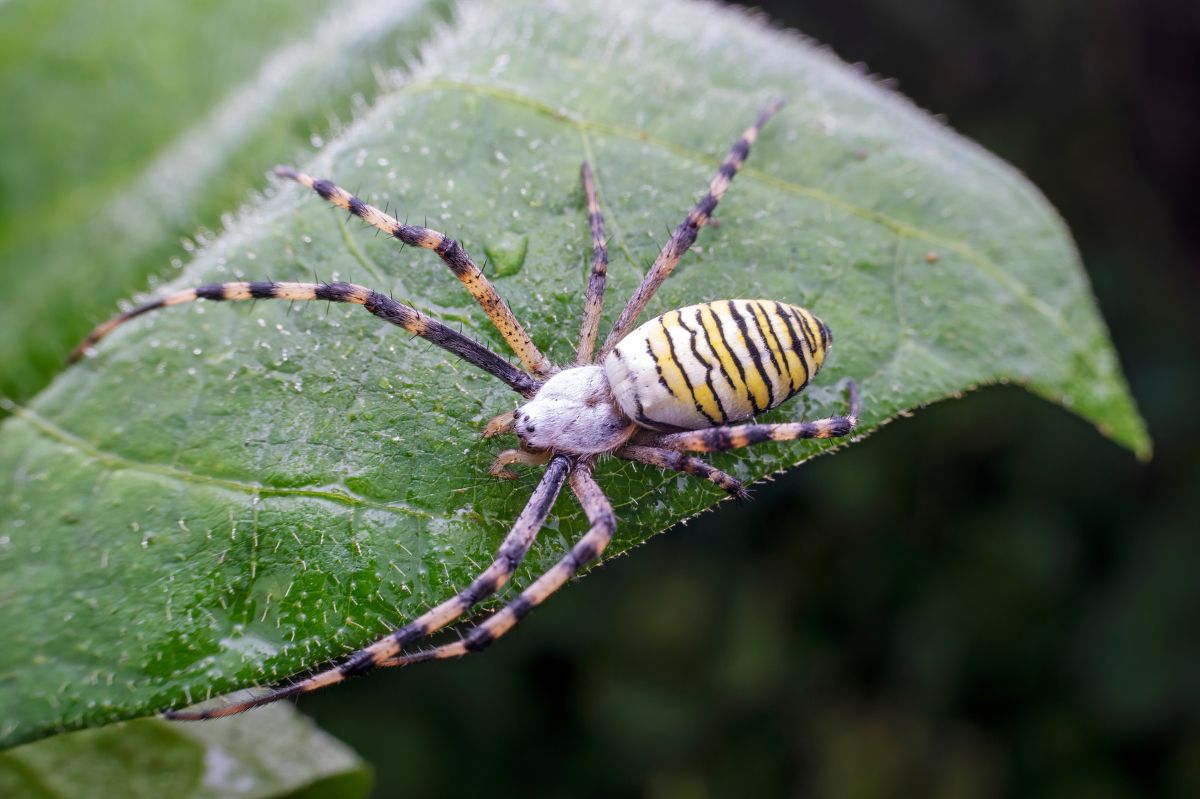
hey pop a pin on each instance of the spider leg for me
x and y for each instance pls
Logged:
(722, 439)
(683, 237)
(509, 556)
(450, 251)
(593, 304)
(677, 461)
(508, 457)
(599, 512)
(379, 304)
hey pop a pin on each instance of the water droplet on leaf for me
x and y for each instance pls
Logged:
(506, 253)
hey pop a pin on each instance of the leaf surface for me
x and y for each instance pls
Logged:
(225, 496)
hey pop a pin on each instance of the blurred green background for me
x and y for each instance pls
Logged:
(987, 599)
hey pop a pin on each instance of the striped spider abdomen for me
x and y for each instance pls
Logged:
(715, 363)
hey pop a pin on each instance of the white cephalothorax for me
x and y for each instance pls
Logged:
(573, 412)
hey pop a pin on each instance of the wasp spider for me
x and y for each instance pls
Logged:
(671, 386)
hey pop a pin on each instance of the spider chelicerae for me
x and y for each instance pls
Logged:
(650, 394)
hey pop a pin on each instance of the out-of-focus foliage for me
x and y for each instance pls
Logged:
(130, 125)
(276, 753)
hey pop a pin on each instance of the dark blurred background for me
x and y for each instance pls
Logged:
(987, 599)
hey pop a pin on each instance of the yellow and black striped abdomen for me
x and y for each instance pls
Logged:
(718, 362)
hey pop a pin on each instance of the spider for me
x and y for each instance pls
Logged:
(650, 394)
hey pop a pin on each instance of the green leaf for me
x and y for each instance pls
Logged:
(273, 754)
(225, 496)
(114, 153)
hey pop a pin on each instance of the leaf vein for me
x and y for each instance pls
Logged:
(113, 461)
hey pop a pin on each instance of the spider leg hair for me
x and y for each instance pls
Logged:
(379, 304)
(677, 461)
(603, 523)
(683, 237)
(593, 303)
(723, 439)
(449, 250)
(508, 557)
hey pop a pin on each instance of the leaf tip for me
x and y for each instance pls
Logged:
(1132, 435)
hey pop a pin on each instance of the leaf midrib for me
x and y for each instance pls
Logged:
(111, 460)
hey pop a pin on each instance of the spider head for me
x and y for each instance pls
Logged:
(523, 427)
(573, 412)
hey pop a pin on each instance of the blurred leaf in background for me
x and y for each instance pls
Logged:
(133, 125)
(278, 753)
